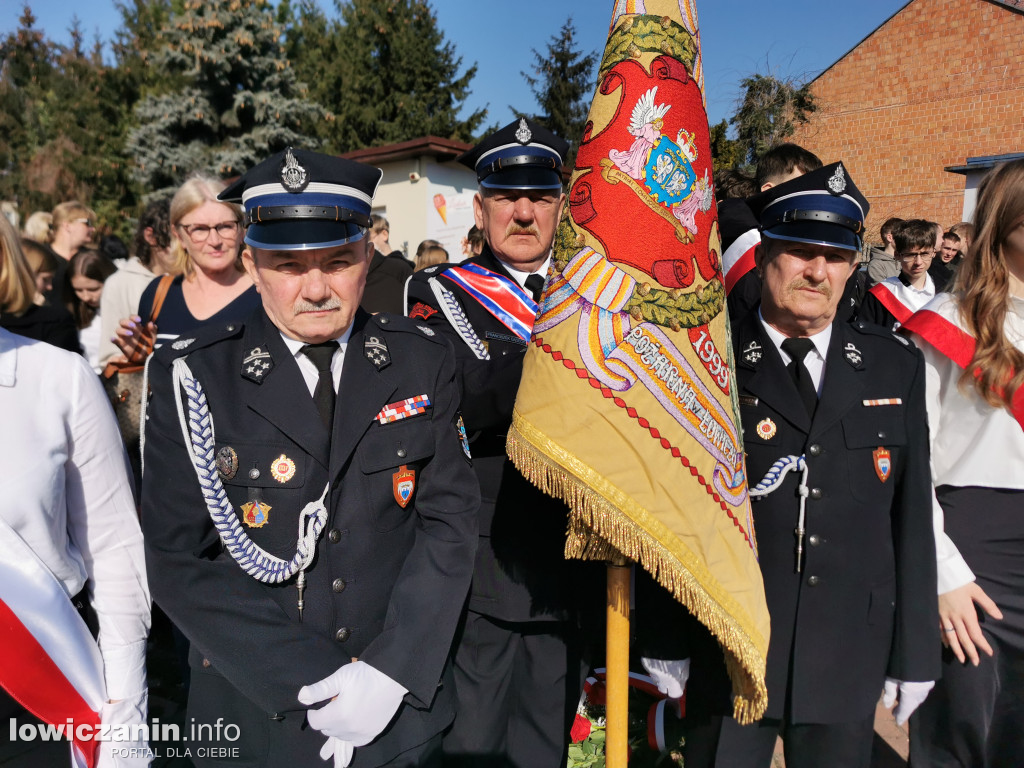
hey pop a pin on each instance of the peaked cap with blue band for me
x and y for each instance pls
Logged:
(299, 200)
(522, 155)
(823, 207)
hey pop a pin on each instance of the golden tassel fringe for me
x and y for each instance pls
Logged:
(598, 530)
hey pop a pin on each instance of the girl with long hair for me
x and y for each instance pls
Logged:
(973, 345)
(86, 274)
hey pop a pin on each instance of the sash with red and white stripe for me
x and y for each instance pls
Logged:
(953, 342)
(891, 302)
(49, 662)
(738, 258)
(504, 298)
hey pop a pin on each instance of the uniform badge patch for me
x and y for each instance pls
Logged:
(282, 469)
(523, 133)
(404, 483)
(376, 352)
(255, 514)
(227, 462)
(182, 343)
(427, 331)
(883, 401)
(883, 462)
(766, 429)
(460, 428)
(422, 311)
(853, 355)
(752, 354)
(837, 182)
(294, 177)
(403, 409)
(257, 364)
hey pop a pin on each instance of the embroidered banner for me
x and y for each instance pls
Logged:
(626, 408)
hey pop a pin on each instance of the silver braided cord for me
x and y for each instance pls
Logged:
(451, 309)
(774, 477)
(197, 431)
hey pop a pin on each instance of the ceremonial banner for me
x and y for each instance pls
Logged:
(627, 408)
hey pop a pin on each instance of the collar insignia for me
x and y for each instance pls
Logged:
(853, 355)
(294, 177)
(376, 351)
(523, 133)
(182, 343)
(837, 181)
(257, 364)
(752, 354)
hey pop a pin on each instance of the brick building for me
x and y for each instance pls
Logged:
(937, 83)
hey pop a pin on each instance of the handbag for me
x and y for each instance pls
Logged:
(123, 380)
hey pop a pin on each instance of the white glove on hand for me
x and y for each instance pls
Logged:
(912, 695)
(669, 676)
(341, 751)
(363, 701)
(124, 754)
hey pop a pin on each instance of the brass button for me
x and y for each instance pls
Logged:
(338, 585)
(812, 581)
(334, 535)
(814, 540)
(816, 493)
(342, 634)
(814, 450)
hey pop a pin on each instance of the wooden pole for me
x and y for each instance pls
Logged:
(617, 675)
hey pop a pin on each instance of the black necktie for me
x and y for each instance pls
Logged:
(323, 395)
(535, 285)
(798, 349)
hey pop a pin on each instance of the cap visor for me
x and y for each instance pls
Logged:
(299, 235)
(524, 177)
(819, 233)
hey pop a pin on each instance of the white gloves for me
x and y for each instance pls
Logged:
(669, 676)
(362, 702)
(124, 754)
(912, 695)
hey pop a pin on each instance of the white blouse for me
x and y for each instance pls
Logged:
(65, 489)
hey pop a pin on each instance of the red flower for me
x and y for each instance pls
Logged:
(580, 729)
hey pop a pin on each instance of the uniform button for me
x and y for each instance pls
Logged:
(342, 634)
(812, 581)
(206, 663)
(334, 535)
(338, 585)
(254, 474)
(231, 328)
(814, 540)
(276, 717)
(815, 493)
(383, 321)
(881, 435)
(814, 450)
(401, 453)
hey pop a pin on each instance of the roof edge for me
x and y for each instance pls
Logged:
(435, 146)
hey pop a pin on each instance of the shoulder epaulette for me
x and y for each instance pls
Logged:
(204, 337)
(387, 322)
(870, 329)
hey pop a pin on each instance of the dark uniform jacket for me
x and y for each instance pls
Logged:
(521, 573)
(385, 283)
(388, 582)
(864, 606)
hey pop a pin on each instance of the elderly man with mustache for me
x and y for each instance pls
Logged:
(517, 660)
(834, 421)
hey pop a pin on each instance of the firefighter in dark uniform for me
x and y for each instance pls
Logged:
(517, 658)
(834, 420)
(308, 501)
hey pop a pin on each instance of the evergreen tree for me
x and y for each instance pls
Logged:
(563, 84)
(232, 98)
(386, 72)
(769, 112)
(725, 152)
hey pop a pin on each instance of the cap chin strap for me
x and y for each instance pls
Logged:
(825, 217)
(263, 214)
(505, 163)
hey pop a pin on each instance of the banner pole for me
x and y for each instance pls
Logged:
(617, 663)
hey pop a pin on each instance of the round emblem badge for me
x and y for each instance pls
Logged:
(227, 462)
(282, 469)
(766, 429)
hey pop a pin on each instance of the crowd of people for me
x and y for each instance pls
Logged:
(353, 572)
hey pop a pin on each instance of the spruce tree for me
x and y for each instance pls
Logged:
(232, 100)
(386, 72)
(563, 84)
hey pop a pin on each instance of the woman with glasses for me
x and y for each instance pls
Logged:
(211, 287)
(973, 345)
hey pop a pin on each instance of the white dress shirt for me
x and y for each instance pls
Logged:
(309, 372)
(520, 277)
(973, 444)
(65, 489)
(814, 361)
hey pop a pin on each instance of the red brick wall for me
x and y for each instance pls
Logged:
(941, 81)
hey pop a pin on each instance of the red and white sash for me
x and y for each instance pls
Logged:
(738, 258)
(887, 296)
(49, 662)
(949, 339)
